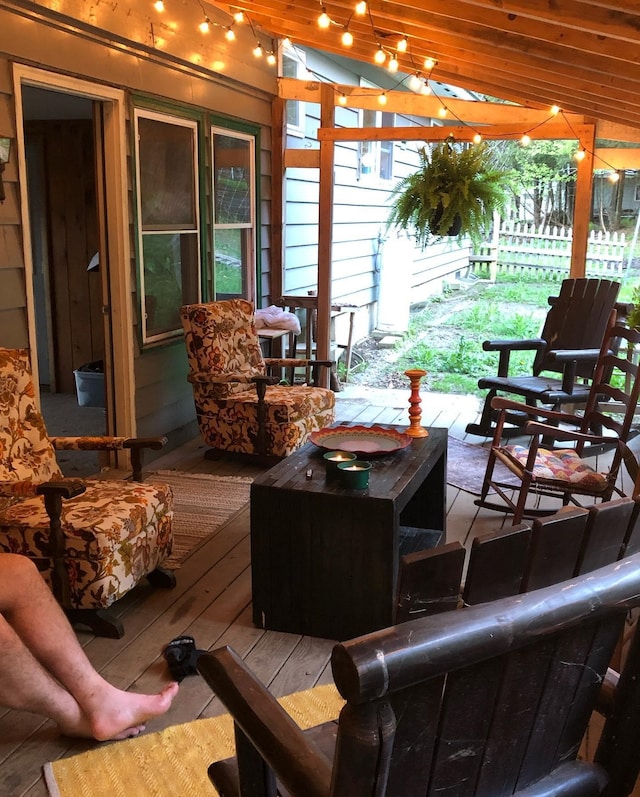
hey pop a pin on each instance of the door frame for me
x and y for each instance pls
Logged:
(117, 286)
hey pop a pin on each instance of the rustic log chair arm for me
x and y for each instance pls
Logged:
(278, 739)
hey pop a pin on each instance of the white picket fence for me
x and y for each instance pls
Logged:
(523, 247)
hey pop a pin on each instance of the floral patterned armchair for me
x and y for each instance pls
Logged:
(239, 406)
(93, 540)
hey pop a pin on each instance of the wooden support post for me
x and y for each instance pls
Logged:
(582, 205)
(325, 230)
(278, 142)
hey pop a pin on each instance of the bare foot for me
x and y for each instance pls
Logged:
(120, 715)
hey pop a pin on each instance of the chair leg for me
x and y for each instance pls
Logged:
(162, 578)
(100, 621)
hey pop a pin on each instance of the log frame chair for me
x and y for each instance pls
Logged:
(543, 469)
(493, 699)
(92, 539)
(493, 736)
(577, 320)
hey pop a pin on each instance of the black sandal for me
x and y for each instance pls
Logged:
(181, 656)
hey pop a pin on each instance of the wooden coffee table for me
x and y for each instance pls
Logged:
(324, 559)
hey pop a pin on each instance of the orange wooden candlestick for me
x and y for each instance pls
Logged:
(415, 413)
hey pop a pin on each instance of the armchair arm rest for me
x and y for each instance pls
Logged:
(65, 488)
(294, 362)
(105, 443)
(299, 764)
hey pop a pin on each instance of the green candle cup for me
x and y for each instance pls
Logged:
(333, 458)
(354, 475)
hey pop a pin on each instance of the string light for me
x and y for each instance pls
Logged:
(347, 38)
(382, 99)
(429, 63)
(442, 112)
(238, 17)
(342, 99)
(258, 51)
(159, 6)
(271, 58)
(415, 83)
(555, 110)
(205, 25)
(230, 35)
(579, 155)
(403, 44)
(477, 138)
(392, 66)
(426, 88)
(380, 57)
(324, 20)
(361, 8)
(614, 177)
(525, 140)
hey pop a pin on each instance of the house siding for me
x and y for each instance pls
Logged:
(163, 398)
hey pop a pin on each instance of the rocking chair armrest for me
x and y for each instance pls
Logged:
(574, 355)
(277, 738)
(531, 344)
(501, 403)
(548, 431)
(505, 347)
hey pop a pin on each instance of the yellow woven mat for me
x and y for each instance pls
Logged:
(173, 762)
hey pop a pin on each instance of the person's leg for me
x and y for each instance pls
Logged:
(44, 668)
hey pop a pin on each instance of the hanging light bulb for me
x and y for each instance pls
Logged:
(555, 110)
(477, 138)
(324, 20)
(286, 43)
(525, 140)
(580, 155)
(271, 58)
(442, 112)
(380, 57)
(429, 63)
(342, 99)
(230, 35)
(361, 8)
(614, 177)
(414, 82)
(392, 66)
(238, 17)
(347, 38)
(382, 99)
(204, 27)
(425, 88)
(159, 6)
(258, 51)
(403, 44)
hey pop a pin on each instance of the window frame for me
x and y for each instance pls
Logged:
(299, 58)
(148, 339)
(250, 268)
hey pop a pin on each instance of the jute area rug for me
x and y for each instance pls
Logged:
(203, 503)
(173, 762)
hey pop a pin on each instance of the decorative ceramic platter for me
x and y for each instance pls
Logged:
(370, 440)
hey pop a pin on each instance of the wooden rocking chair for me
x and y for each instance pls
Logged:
(577, 320)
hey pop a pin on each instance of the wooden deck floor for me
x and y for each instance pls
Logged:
(212, 603)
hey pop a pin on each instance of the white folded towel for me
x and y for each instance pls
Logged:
(273, 316)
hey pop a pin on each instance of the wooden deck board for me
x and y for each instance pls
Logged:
(212, 603)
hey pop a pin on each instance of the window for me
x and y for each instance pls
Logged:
(375, 159)
(168, 220)
(293, 64)
(234, 214)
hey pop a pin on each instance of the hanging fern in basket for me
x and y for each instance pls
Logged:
(455, 191)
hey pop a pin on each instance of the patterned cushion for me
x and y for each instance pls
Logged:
(560, 466)
(25, 450)
(221, 340)
(115, 532)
